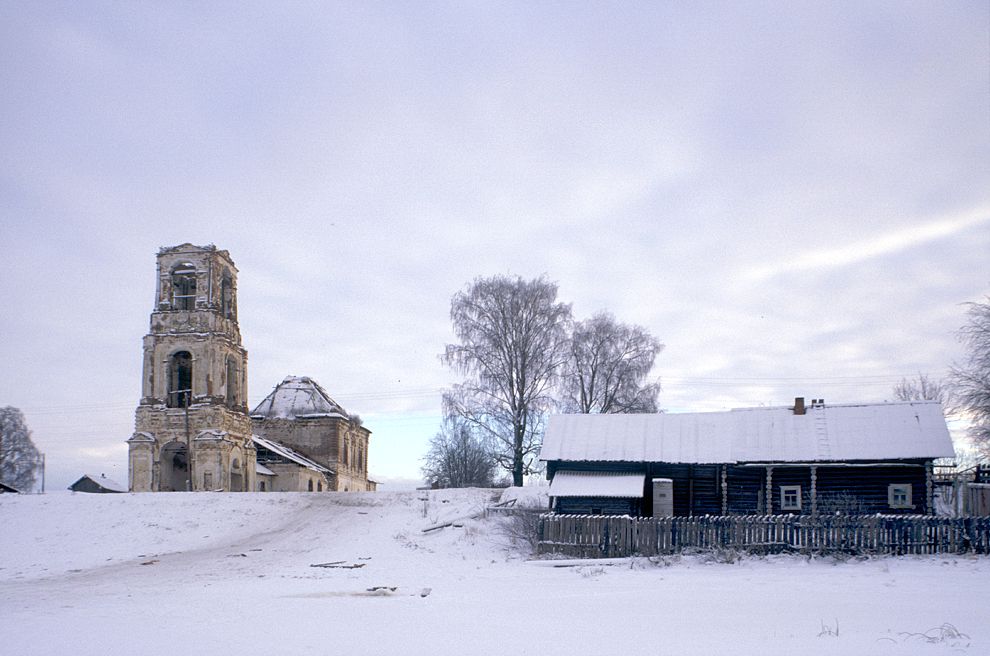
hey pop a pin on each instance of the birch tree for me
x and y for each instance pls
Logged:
(458, 458)
(608, 367)
(19, 458)
(971, 378)
(922, 388)
(512, 342)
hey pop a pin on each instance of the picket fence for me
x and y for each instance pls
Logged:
(612, 536)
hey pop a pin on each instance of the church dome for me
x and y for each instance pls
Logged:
(298, 397)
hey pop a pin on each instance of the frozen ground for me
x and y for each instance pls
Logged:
(215, 574)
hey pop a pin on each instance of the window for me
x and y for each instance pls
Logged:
(184, 287)
(180, 380)
(319, 486)
(790, 497)
(226, 296)
(261, 486)
(231, 382)
(311, 485)
(899, 495)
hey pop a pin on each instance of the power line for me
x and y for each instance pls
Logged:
(424, 392)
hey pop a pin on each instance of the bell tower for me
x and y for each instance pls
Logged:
(192, 430)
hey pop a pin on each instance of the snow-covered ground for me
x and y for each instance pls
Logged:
(207, 573)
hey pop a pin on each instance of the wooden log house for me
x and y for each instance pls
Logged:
(802, 459)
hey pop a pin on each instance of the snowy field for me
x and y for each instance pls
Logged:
(207, 573)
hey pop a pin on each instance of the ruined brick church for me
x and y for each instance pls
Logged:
(193, 430)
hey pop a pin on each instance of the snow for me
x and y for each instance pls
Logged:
(207, 573)
(596, 484)
(530, 496)
(298, 397)
(877, 431)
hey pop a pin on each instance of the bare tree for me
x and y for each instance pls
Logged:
(922, 388)
(458, 458)
(19, 458)
(971, 379)
(607, 368)
(513, 338)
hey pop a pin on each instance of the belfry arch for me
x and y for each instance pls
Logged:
(184, 286)
(180, 377)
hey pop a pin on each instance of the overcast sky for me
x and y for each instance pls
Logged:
(794, 197)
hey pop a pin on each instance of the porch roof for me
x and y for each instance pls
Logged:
(596, 484)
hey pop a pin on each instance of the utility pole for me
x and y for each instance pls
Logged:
(189, 453)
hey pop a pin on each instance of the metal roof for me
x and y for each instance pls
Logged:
(298, 397)
(873, 431)
(290, 454)
(596, 484)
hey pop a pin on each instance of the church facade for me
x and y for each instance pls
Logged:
(193, 430)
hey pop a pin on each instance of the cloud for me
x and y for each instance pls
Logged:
(872, 247)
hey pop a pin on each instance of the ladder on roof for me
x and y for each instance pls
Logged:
(821, 433)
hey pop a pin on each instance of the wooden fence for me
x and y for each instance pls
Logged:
(612, 536)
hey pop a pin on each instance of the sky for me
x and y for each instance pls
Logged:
(794, 197)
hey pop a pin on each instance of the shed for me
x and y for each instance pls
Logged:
(868, 457)
(97, 484)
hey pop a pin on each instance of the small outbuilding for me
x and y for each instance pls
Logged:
(853, 458)
(97, 484)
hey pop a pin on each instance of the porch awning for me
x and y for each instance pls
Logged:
(597, 484)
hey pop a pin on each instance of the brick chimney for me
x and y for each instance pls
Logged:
(799, 405)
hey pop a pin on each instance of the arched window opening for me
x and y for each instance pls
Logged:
(180, 380)
(311, 485)
(231, 382)
(347, 448)
(184, 287)
(236, 478)
(319, 486)
(174, 463)
(226, 296)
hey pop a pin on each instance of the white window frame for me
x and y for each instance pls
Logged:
(787, 489)
(905, 490)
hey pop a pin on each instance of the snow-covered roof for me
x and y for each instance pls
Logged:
(290, 454)
(104, 482)
(261, 469)
(873, 431)
(298, 397)
(596, 484)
